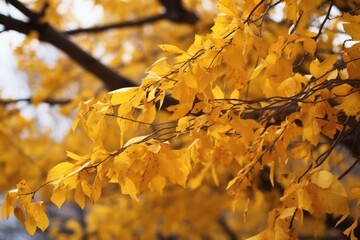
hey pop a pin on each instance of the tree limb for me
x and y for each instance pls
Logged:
(48, 101)
(111, 26)
(174, 11)
(48, 34)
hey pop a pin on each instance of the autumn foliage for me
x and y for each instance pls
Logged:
(252, 130)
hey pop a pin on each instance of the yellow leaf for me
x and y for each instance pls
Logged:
(218, 93)
(291, 10)
(30, 224)
(128, 187)
(157, 183)
(332, 75)
(343, 74)
(228, 7)
(75, 123)
(184, 123)
(58, 197)
(154, 148)
(174, 164)
(327, 194)
(304, 200)
(323, 179)
(327, 201)
(350, 104)
(354, 193)
(39, 214)
(288, 87)
(135, 140)
(318, 69)
(189, 78)
(79, 196)
(278, 69)
(148, 115)
(96, 189)
(75, 156)
(296, 195)
(84, 184)
(287, 212)
(122, 95)
(160, 67)
(311, 130)
(171, 48)
(63, 171)
(59, 171)
(19, 215)
(308, 6)
(235, 95)
(245, 127)
(353, 29)
(310, 45)
(351, 56)
(8, 204)
(186, 97)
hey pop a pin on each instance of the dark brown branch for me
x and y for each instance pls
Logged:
(347, 171)
(174, 11)
(106, 27)
(48, 101)
(13, 24)
(351, 7)
(48, 34)
(23, 9)
(327, 17)
(247, 20)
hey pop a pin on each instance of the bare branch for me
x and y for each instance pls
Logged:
(23, 9)
(13, 24)
(327, 17)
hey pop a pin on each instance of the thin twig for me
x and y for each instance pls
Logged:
(323, 22)
(347, 171)
(106, 27)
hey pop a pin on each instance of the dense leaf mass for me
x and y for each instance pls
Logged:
(259, 118)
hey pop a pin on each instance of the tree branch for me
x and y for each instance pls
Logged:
(111, 26)
(174, 11)
(48, 34)
(23, 9)
(13, 24)
(48, 101)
